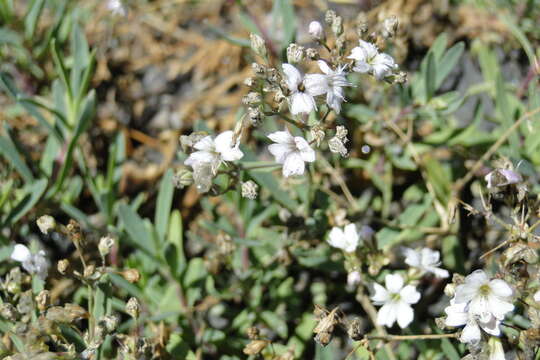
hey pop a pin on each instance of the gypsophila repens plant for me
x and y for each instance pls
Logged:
(353, 180)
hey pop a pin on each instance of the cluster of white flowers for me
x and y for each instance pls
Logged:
(425, 260)
(215, 151)
(116, 7)
(396, 300)
(291, 151)
(479, 303)
(33, 263)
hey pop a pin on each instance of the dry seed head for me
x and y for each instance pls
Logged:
(46, 224)
(133, 307)
(110, 322)
(255, 347)
(255, 115)
(390, 26)
(249, 82)
(253, 333)
(89, 271)
(62, 266)
(252, 99)
(323, 338)
(131, 275)
(312, 54)
(354, 330)
(329, 17)
(250, 190)
(337, 26)
(8, 312)
(105, 245)
(258, 69)
(43, 300)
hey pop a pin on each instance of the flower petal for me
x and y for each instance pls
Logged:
(324, 67)
(405, 314)
(471, 333)
(409, 294)
(281, 137)
(306, 152)
(280, 152)
(205, 144)
(21, 253)
(501, 288)
(293, 165)
(302, 103)
(351, 237)
(387, 315)
(412, 257)
(456, 315)
(381, 294)
(393, 282)
(316, 84)
(336, 238)
(293, 78)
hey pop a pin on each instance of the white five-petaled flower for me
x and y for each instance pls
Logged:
(368, 59)
(215, 151)
(33, 263)
(458, 315)
(485, 298)
(301, 98)
(330, 83)
(346, 239)
(426, 260)
(396, 301)
(291, 151)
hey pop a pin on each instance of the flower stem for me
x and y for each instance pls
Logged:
(390, 338)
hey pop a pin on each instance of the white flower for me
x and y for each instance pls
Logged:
(502, 177)
(116, 7)
(301, 99)
(291, 151)
(316, 30)
(215, 151)
(331, 84)
(485, 298)
(346, 239)
(368, 59)
(33, 263)
(537, 296)
(458, 315)
(396, 301)
(426, 260)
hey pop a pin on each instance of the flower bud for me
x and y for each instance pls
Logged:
(250, 190)
(329, 17)
(354, 278)
(258, 69)
(133, 308)
(105, 245)
(257, 45)
(89, 271)
(182, 178)
(62, 266)
(249, 81)
(295, 53)
(253, 333)
(46, 224)
(336, 146)
(131, 275)
(316, 30)
(337, 26)
(354, 329)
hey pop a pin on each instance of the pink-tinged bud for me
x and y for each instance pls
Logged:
(354, 278)
(316, 30)
(502, 177)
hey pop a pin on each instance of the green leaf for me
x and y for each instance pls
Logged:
(34, 192)
(137, 231)
(507, 115)
(449, 350)
(275, 322)
(10, 152)
(61, 70)
(164, 203)
(175, 238)
(284, 21)
(195, 272)
(430, 76)
(32, 17)
(448, 62)
(268, 181)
